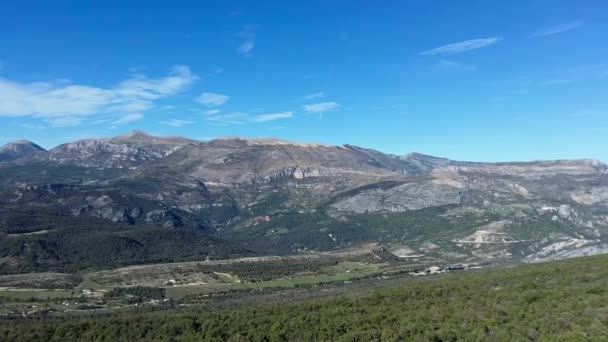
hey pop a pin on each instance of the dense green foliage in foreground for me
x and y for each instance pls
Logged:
(565, 301)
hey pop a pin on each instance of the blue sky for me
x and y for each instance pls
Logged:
(469, 80)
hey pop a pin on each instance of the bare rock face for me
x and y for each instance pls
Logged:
(301, 173)
(401, 198)
(103, 153)
(564, 211)
(295, 172)
(163, 217)
(126, 151)
(595, 195)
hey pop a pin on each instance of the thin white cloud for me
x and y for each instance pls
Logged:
(175, 122)
(64, 103)
(152, 89)
(237, 118)
(246, 47)
(32, 126)
(212, 112)
(549, 31)
(65, 121)
(248, 35)
(213, 99)
(316, 95)
(128, 119)
(467, 45)
(449, 64)
(240, 118)
(273, 116)
(320, 107)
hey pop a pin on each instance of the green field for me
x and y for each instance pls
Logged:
(344, 271)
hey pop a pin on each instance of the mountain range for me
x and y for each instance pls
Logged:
(138, 198)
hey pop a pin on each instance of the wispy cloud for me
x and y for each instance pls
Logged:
(62, 102)
(241, 118)
(246, 47)
(248, 35)
(128, 119)
(175, 122)
(32, 126)
(449, 64)
(213, 99)
(65, 121)
(273, 116)
(212, 112)
(549, 31)
(237, 118)
(316, 95)
(320, 107)
(467, 45)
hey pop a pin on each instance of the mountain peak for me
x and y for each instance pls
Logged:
(134, 134)
(21, 142)
(19, 149)
(20, 145)
(141, 137)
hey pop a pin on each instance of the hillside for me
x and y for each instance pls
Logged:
(268, 197)
(547, 302)
(19, 149)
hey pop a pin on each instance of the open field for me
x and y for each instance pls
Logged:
(129, 286)
(337, 274)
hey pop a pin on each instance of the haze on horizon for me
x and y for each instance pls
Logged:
(456, 80)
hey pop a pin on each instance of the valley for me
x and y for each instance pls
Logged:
(187, 282)
(340, 171)
(138, 223)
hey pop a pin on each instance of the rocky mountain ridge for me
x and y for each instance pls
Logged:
(273, 196)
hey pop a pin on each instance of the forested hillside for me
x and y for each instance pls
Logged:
(558, 301)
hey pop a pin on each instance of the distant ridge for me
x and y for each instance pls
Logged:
(19, 149)
(163, 145)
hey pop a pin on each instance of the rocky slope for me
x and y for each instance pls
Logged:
(19, 149)
(125, 151)
(271, 196)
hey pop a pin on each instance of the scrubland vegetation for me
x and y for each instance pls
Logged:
(558, 301)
